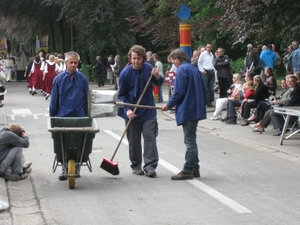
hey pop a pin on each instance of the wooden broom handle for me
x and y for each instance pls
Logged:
(129, 121)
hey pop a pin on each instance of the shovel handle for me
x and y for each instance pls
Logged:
(137, 106)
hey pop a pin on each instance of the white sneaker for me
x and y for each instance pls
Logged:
(26, 165)
(215, 118)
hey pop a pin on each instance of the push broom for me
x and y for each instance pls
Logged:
(108, 164)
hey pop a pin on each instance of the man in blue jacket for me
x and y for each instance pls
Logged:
(189, 98)
(132, 83)
(269, 58)
(69, 95)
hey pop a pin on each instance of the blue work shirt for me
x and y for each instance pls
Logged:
(190, 94)
(131, 85)
(69, 95)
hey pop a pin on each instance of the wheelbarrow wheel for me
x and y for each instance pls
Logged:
(71, 171)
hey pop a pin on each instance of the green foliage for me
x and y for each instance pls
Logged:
(88, 71)
(237, 65)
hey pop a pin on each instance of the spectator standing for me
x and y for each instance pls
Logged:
(160, 68)
(69, 95)
(189, 98)
(294, 58)
(269, 58)
(117, 68)
(150, 58)
(250, 59)
(195, 58)
(133, 80)
(98, 71)
(110, 63)
(222, 66)
(9, 66)
(206, 67)
(287, 65)
(278, 61)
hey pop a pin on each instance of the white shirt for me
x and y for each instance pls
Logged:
(159, 67)
(206, 61)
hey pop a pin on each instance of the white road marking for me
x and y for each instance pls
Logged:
(200, 185)
(35, 116)
(21, 111)
(215, 194)
(116, 136)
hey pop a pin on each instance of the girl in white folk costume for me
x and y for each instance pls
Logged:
(9, 66)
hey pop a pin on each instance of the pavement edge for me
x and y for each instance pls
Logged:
(4, 203)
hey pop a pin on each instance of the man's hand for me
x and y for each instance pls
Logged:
(155, 73)
(130, 114)
(165, 108)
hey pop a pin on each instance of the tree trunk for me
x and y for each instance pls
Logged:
(62, 35)
(52, 38)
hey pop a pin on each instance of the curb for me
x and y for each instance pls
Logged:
(4, 203)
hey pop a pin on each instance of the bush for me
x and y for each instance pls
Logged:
(237, 66)
(88, 71)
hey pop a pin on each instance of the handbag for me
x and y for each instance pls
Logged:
(260, 64)
(2, 76)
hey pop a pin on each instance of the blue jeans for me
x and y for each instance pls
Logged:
(190, 141)
(209, 80)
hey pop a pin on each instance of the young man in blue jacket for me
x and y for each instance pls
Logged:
(132, 83)
(189, 98)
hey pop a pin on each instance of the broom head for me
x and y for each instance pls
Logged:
(110, 166)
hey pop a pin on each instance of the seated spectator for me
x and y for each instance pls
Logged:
(294, 100)
(234, 93)
(12, 140)
(248, 91)
(261, 93)
(262, 113)
(270, 81)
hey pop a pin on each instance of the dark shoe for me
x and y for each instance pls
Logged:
(210, 105)
(1, 105)
(26, 165)
(27, 171)
(151, 173)
(225, 119)
(138, 172)
(196, 173)
(277, 133)
(30, 92)
(62, 177)
(231, 121)
(47, 96)
(183, 176)
(11, 177)
(245, 123)
(33, 93)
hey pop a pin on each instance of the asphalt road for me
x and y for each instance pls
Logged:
(246, 178)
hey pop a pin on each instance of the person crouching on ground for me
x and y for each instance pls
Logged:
(12, 140)
(190, 99)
